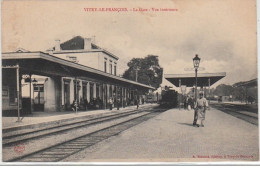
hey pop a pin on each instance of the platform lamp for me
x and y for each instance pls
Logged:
(34, 82)
(196, 63)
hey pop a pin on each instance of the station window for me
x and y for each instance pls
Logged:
(97, 91)
(110, 65)
(105, 66)
(91, 88)
(84, 91)
(12, 96)
(38, 93)
(114, 70)
(76, 90)
(110, 91)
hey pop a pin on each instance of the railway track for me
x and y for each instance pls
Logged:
(65, 149)
(34, 134)
(230, 110)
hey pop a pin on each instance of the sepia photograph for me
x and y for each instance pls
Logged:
(132, 81)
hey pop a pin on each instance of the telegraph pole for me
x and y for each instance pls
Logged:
(136, 73)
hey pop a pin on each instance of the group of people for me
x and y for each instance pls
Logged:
(83, 104)
(97, 103)
(111, 102)
(200, 106)
(117, 103)
(189, 102)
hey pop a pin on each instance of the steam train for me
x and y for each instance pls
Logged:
(167, 99)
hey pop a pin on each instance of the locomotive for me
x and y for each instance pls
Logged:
(169, 99)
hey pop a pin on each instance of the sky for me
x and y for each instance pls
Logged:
(221, 32)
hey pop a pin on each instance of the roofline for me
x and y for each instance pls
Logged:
(107, 52)
(46, 56)
(189, 75)
(85, 51)
(238, 84)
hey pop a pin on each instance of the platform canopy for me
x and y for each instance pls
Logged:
(204, 79)
(40, 63)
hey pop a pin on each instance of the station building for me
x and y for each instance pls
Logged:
(76, 70)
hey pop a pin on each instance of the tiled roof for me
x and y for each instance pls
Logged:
(76, 43)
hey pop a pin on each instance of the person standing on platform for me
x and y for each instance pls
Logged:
(200, 106)
(137, 103)
(117, 103)
(185, 102)
(189, 102)
(124, 102)
(74, 105)
(192, 102)
(110, 103)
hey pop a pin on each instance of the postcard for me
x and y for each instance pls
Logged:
(145, 82)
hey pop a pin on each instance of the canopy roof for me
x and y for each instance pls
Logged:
(204, 79)
(40, 63)
(250, 83)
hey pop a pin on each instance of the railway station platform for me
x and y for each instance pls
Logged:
(243, 108)
(42, 118)
(170, 137)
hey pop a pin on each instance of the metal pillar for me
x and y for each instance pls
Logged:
(76, 95)
(196, 73)
(209, 89)
(104, 95)
(30, 93)
(209, 85)
(122, 97)
(18, 93)
(246, 95)
(181, 95)
(116, 99)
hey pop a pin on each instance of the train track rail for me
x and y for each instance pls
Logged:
(229, 110)
(22, 137)
(65, 149)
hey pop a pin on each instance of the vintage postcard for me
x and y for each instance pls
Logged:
(114, 81)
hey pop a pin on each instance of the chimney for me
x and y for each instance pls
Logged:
(57, 45)
(87, 43)
(51, 52)
(93, 39)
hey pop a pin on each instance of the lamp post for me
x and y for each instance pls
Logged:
(196, 63)
(34, 82)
